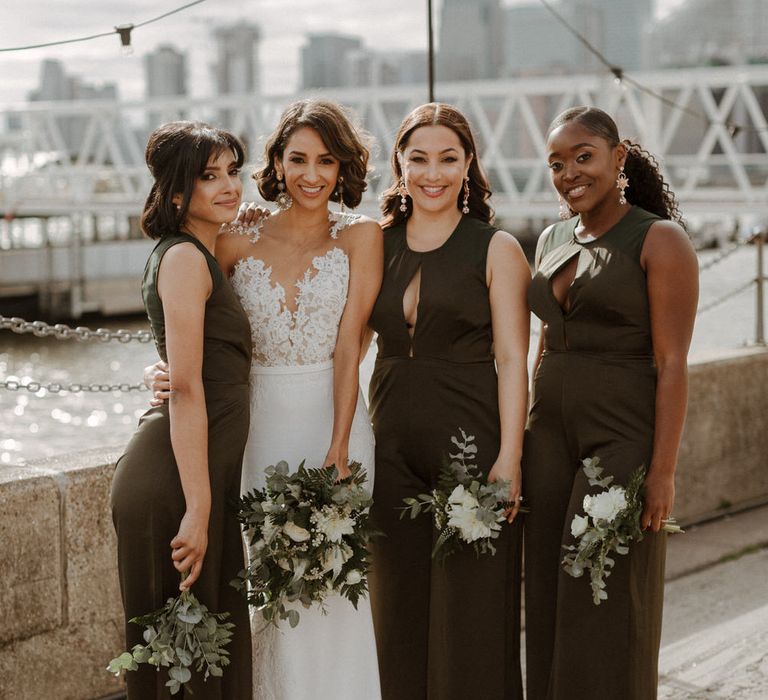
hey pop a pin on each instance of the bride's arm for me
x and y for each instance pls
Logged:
(366, 266)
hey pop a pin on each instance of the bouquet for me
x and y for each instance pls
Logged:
(611, 524)
(308, 536)
(182, 636)
(466, 509)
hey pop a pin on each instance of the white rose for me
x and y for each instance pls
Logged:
(606, 505)
(463, 498)
(579, 525)
(295, 532)
(353, 577)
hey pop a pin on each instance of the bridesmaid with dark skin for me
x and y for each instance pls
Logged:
(452, 324)
(616, 288)
(174, 485)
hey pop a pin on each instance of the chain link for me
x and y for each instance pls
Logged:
(41, 329)
(56, 387)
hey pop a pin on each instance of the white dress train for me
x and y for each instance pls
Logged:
(327, 656)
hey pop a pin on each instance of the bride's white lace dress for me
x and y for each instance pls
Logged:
(333, 656)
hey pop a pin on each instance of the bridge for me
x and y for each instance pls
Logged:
(82, 162)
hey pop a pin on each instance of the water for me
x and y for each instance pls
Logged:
(37, 425)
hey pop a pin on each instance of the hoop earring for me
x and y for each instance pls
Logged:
(283, 199)
(622, 182)
(565, 210)
(340, 192)
(403, 195)
(465, 203)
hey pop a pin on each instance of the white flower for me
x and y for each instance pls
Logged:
(296, 532)
(333, 524)
(463, 498)
(606, 505)
(353, 577)
(579, 525)
(335, 557)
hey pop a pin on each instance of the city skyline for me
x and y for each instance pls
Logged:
(398, 26)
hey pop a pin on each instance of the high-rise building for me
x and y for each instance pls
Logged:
(536, 42)
(364, 68)
(236, 70)
(707, 32)
(165, 72)
(57, 84)
(471, 40)
(323, 58)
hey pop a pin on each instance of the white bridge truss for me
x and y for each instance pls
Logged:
(65, 157)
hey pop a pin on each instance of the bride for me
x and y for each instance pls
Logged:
(308, 279)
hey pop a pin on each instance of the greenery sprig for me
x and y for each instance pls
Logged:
(182, 636)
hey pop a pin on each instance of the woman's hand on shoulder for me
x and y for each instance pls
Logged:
(250, 214)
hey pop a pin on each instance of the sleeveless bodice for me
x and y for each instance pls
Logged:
(280, 335)
(226, 337)
(607, 308)
(453, 320)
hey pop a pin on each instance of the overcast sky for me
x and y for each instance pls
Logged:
(383, 24)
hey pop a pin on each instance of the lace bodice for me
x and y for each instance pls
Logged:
(307, 335)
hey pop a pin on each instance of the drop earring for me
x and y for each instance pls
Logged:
(465, 203)
(340, 193)
(622, 182)
(403, 196)
(565, 210)
(283, 199)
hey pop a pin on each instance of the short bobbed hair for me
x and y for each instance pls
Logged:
(177, 154)
(437, 114)
(341, 137)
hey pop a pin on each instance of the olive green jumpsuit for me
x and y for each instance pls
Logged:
(148, 502)
(444, 631)
(593, 396)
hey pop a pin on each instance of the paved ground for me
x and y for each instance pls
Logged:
(715, 636)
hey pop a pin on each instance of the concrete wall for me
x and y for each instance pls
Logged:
(60, 614)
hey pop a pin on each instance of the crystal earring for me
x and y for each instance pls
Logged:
(465, 203)
(403, 196)
(622, 182)
(340, 193)
(283, 199)
(565, 210)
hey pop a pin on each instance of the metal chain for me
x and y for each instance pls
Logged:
(725, 297)
(722, 256)
(56, 387)
(41, 329)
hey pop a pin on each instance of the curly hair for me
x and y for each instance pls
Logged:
(647, 188)
(437, 114)
(176, 155)
(344, 141)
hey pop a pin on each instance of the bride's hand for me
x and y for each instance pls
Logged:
(249, 214)
(158, 381)
(511, 472)
(339, 459)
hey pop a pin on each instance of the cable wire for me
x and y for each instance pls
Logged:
(116, 30)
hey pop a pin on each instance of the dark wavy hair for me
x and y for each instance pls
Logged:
(177, 154)
(437, 114)
(647, 188)
(341, 137)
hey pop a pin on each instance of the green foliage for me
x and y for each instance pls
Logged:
(601, 532)
(182, 636)
(465, 507)
(308, 535)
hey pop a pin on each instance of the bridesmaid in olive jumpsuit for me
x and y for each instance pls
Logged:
(444, 631)
(148, 500)
(616, 292)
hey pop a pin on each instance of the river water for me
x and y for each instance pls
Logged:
(42, 425)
